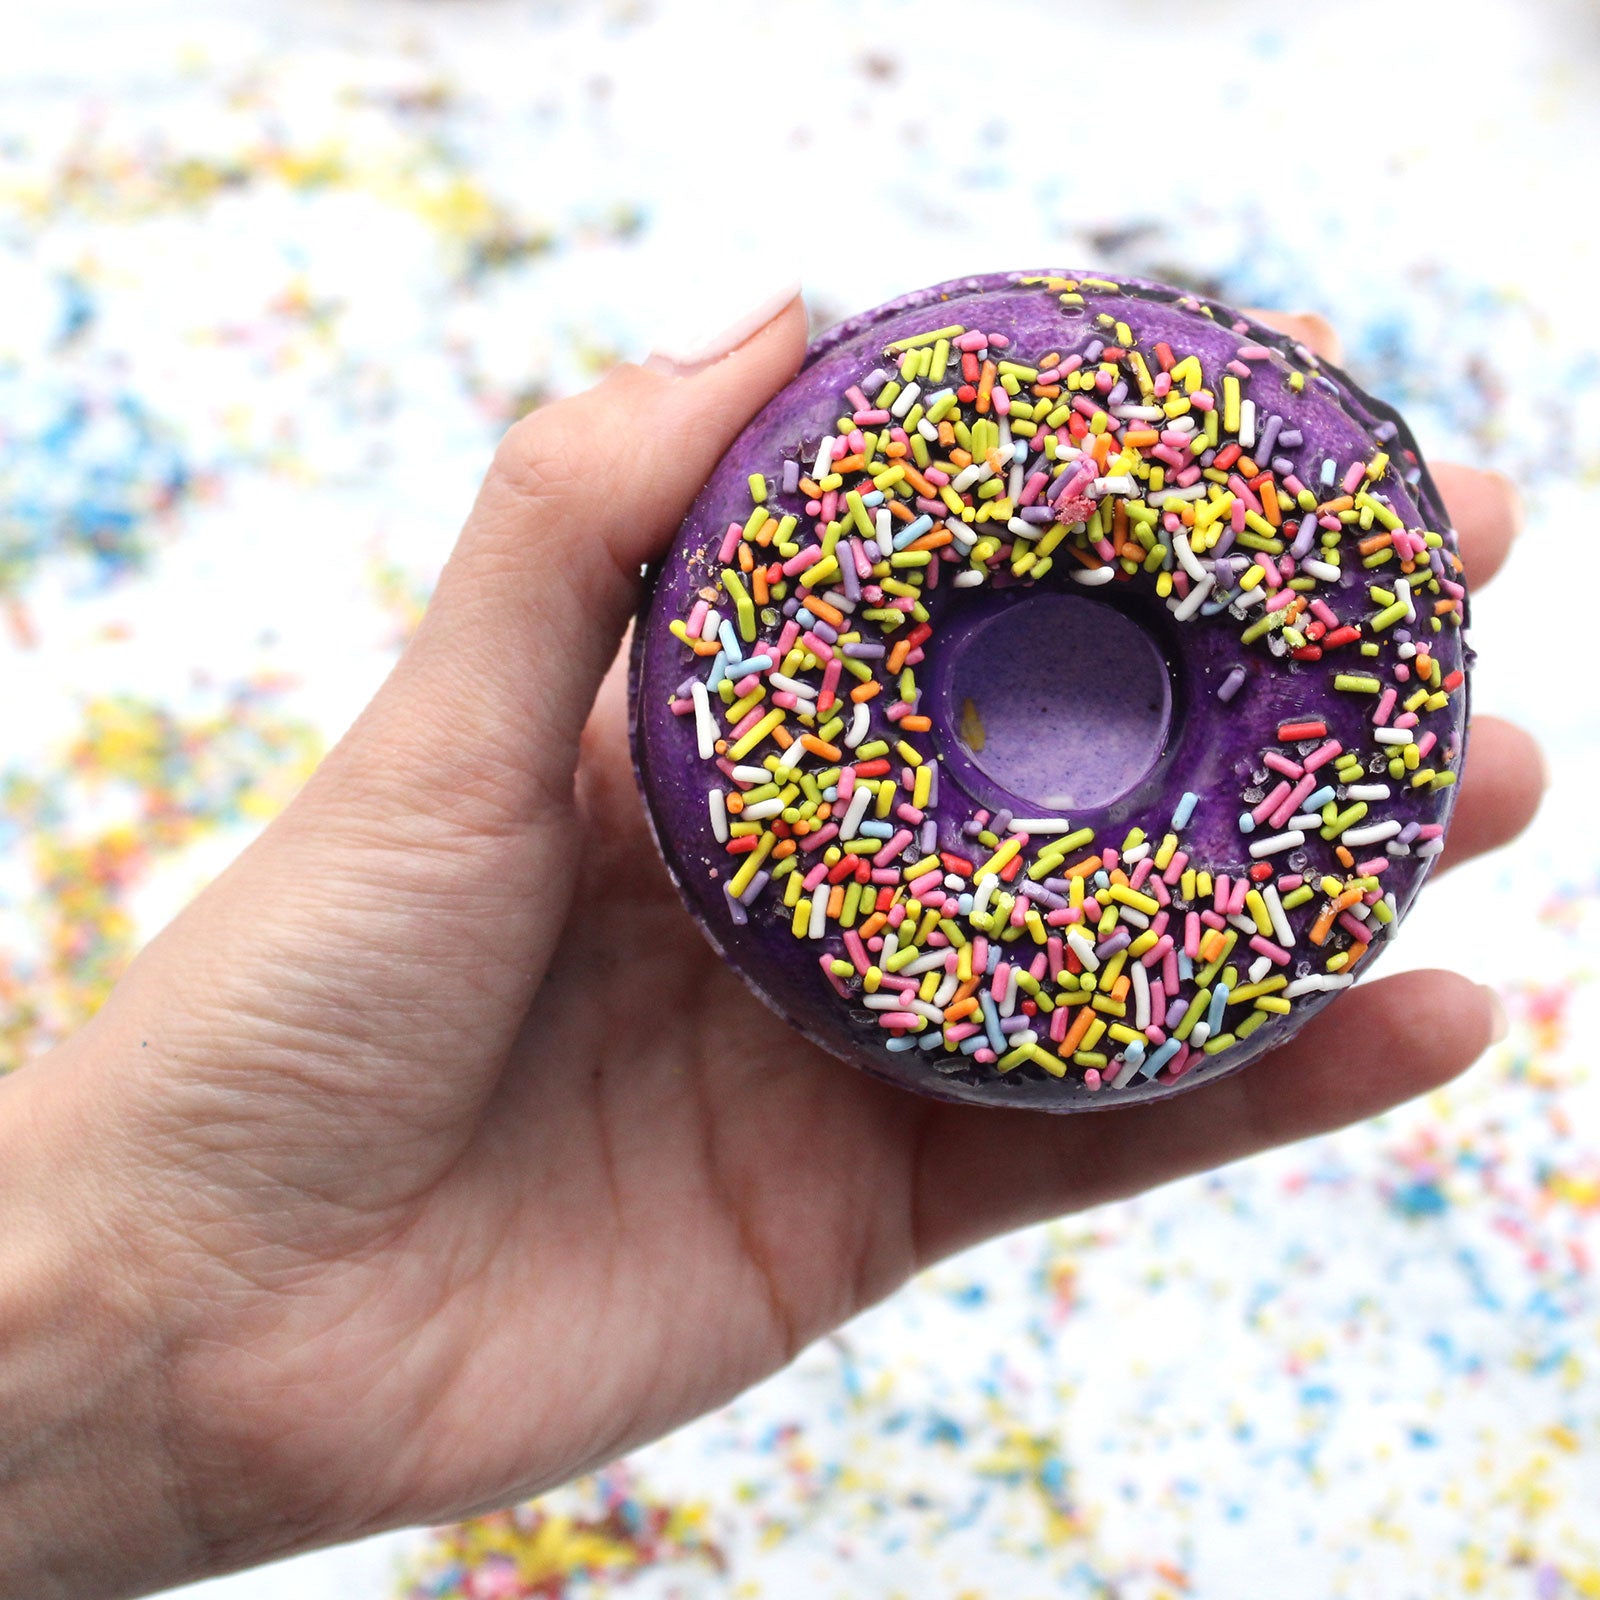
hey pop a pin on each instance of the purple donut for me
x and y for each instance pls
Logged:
(1058, 691)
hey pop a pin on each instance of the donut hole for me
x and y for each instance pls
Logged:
(1060, 700)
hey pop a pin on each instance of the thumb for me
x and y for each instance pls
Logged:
(485, 709)
(392, 925)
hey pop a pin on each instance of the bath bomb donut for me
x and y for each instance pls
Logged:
(1056, 696)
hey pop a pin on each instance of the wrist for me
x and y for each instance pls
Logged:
(91, 1503)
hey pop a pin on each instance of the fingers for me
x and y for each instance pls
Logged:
(1502, 783)
(982, 1172)
(1486, 508)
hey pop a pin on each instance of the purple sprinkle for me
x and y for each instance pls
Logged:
(1267, 437)
(1000, 823)
(791, 476)
(1291, 438)
(1231, 685)
(852, 582)
(1015, 1024)
(860, 650)
(735, 910)
(754, 887)
(1175, 1012)
(874, 381)
(1120, 940)
(1306, 537)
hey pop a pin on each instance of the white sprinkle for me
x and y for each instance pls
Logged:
(1277, 842)
(762, 809)
(967, 476)
(710, 627)
(824, 462)
(855, 812)
(1093, 577)
(1247, 424)
(1042, 825)
(1026, 530)
(819, 912)
(1117, 483)
(986, 887)
(719, 815)
(1196, 599)
(1083, 950)
(1141, 996)
(1368, 791)
(927, 963)
(705, 726)
(1430, 848)
(1318, 982)
(1323, 571)
(1355, 838)
(1130, 1065)
(806, 691)
(860, 721)
(904, 401)
(1187, 559)
(967, 580)
(1280, 922)
(1260, 967)
(1392, 735)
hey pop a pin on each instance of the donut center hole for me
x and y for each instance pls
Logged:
(1061, 700)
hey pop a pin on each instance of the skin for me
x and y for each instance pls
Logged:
(430, 1157)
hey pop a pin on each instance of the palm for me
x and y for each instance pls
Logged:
(681, 1181)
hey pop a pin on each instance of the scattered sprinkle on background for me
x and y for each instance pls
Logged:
(273, 275)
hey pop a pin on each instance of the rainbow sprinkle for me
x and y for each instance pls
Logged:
(1038, 946)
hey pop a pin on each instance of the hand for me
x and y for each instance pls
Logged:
(431, 1157)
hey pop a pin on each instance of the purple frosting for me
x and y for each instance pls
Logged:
(1227, 698)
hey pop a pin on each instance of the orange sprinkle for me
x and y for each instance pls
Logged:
(828, 752)
(1080, 1026)
(865, 691)
(916, 723)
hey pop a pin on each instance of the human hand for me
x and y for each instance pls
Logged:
(431, 1156)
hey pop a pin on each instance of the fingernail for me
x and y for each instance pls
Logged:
(1499, 1022)
(692, 347)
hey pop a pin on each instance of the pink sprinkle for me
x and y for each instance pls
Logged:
(1323, 754)
(730, 542)
(1273, 952)
(1268, 806)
